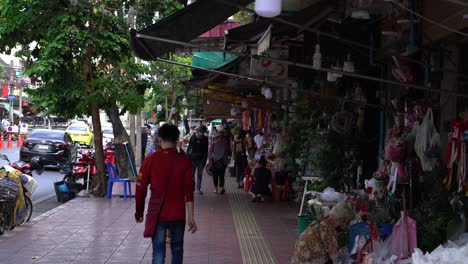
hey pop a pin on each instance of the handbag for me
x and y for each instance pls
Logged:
(155, 205)
(209, 167)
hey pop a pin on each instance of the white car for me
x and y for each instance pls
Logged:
(107, 135)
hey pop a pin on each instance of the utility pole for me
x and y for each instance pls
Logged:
(131, 116)
(139, 147)
(12, 90)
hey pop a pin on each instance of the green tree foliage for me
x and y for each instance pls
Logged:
(244, 17)
(168, 89)
(79, 51)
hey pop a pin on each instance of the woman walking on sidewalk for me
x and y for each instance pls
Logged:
(169, 175)
(219, 160)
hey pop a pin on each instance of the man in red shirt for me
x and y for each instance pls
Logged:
(169, 175)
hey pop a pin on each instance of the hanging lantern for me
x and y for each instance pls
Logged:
(184, 101)
(348, 65)
(244, 104)
(268, 94)
(158, 108)
(263, 90)
(317, 59)
(268, 8)
(173, 110)
(207, 101)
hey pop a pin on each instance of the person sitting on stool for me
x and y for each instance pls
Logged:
(262, 179)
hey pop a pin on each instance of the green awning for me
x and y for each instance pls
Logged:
(212, 59)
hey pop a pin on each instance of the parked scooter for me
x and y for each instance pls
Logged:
(23, 172)
(83, 169)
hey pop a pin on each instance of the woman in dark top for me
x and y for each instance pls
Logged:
(262, 177)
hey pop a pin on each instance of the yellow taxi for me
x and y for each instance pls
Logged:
(80, 133)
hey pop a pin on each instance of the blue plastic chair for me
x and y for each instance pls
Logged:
(114, 177)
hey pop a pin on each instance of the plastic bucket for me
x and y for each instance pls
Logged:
(303, 221)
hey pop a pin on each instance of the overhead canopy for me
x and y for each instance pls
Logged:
(184, 25)
(309, 17)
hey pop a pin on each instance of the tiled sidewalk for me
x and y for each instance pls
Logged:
(98, 230)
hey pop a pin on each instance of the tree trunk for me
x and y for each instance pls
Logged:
(120, 137)
(100, 184)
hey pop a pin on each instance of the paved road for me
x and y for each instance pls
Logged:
(45, 189)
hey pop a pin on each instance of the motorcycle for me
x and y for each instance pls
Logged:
(17, 173)
(83, 169)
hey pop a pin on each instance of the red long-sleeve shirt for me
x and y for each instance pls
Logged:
(155, 171)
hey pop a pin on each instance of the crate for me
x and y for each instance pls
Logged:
(63, 197)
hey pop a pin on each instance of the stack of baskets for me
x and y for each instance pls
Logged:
(8, 189)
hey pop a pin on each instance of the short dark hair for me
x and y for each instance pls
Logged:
(262, 161)
(148, 126)
(169, 133)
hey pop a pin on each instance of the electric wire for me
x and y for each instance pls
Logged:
(89, 7)
(428, 19)
(340, 39)
(306, 66)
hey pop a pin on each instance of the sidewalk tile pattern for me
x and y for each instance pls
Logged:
(99, 230)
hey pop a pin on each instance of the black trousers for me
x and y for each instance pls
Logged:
(218, 177)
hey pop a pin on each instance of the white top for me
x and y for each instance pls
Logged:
(259, 141)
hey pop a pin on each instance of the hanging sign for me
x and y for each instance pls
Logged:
(268, 68)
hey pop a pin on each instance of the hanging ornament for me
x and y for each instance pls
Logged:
(348, 65)
(331, 77)
(233, 111)
(338, 68)
(184, 101)
(173, 110)
(158, 108)
(268, 8)
(317, 59)
(244, 104)
(268, 94)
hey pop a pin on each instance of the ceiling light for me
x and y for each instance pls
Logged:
(268, 8)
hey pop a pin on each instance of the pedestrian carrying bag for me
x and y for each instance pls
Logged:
(155, 205)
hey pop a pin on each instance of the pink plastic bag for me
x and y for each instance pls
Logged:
(404, 237)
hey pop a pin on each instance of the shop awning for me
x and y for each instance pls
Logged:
(212, 59)
(184, 25)
(308, 17)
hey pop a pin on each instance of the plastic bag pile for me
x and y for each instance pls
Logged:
(452, 253)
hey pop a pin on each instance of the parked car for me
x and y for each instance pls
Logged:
(80, 133)
(107, 135)
(52, 146)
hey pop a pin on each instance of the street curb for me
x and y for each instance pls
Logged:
(43, 199)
